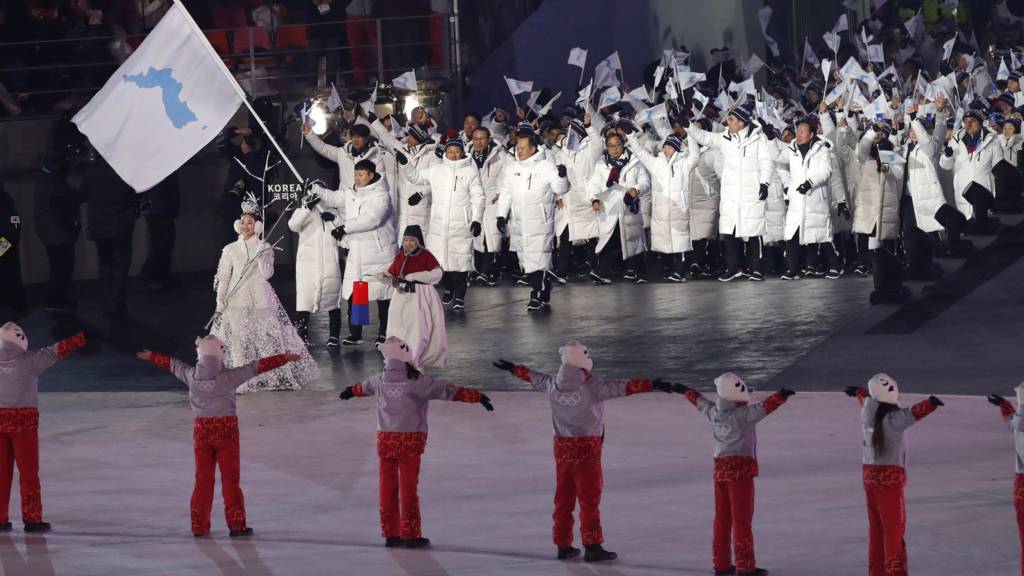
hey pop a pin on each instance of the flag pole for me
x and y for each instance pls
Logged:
(245, 99)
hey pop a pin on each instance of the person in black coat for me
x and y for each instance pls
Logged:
(160, 207)
(57, 217)
(112, 210)
(12, 292)
(251, 150)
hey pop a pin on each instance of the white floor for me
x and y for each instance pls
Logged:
(117, 476)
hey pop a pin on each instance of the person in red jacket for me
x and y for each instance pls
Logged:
(19, 419)
(211, 392)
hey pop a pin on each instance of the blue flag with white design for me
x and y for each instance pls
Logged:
(168, 100)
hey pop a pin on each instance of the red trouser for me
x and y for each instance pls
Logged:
(734, 517)
(362, 44)
(19, 444)
(578, 476)
(887, 521)
(216, 446)
(1018, 503)
(399, 478)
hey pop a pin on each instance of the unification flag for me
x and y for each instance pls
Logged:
(165, 103)
(407, 81)
(578, 57)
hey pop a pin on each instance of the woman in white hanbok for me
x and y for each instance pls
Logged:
(250, 319)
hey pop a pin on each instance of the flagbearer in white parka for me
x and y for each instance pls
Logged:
(403, 395)
(211, 392)
(19, 419)
(734, 420)
(577, 412)
(1014, 418)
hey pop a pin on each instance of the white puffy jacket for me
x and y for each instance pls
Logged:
(746, 164)
(923, 179)
(346, 159)
(576, 211)
(458, 201)
(491, 173)
(670, 194)
(810, 213)
(971, 167)
(527, 193)
(878, 194)
(614, 212)
(317, 273)
(421, 157)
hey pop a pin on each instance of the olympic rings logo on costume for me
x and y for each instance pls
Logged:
(393, 391)
(568, 399)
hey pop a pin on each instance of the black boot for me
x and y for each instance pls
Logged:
(6, 527)
(37, 527)
(755, 572)
(394, 542)
(568, 552)
(247, 531)
(417, 543)
(334, 323)
(597, 553)
(730, 571)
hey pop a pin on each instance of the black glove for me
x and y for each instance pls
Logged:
(415, 199)
(804, 188)
(786, 392)
(486, 402)
(663, 385)
(475, 229)
(327, 216)
(347, 394)
(439, 150)
(935, 401)
(844, 211)
(851, 391)
(680, 388)
(371, 117)
(501, 224)
(684, 121)
(338, 232)
(996, 399)
(763, 193)
(948, 151)
(769, 131)
(504, 365)
(402, 158)
(311, 201)
(627, 127)
(562, 171)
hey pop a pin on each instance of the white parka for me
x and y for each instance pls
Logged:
(491, 172)
(421, 158)
(746, 164)
(458, 201)
(704, 195)
(878, 194)
(614, 212)
(971, 167)
(670, 194)
(344, 157)
(368, 218)
(527, 193)
(810, 213)
(317, 273)
(576, 211)
(923, 184)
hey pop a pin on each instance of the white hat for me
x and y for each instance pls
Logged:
(210, 346)
(395, 349)
(1020, 393)
(11, 333)
(576, 354)
(731, 387)
(884, 389)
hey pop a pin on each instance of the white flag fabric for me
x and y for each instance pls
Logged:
(584, 95)
(658, 73)
(809, 54)
(1014, 62)
(890, 157)
(875, 53)
(688, 79)
(547, 107)
(836, 92)
(407, 81)
(637, 97)
(518, 86)
(754, 64)
(947, 48)
(914, 25)
(578, 58)
(333, 101)
(700, 98)
(532, 100)
(879, 108)
(764, 15)
(826, 67)
(613, 61)
(1004, 72)
(368, 105)
(657, 118)
(604, 75)
(842, 24)
(165, 103)
(832, 41)
(745, 87)
(609, 97)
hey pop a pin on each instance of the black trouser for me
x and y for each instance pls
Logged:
(12, 292)
(887, 270)
(484, 263)
(62, 264)
(302, 323)
(382, 319)
(825, 249)
(845, 246)
(917, 245)
(701, 254)
(571, 257)
(671, 262)
(157, 268)
(863, 253)
(609, 259)
(734, 253)
(541, 286)
(455, 284)
(115, 258)
(981, 201)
